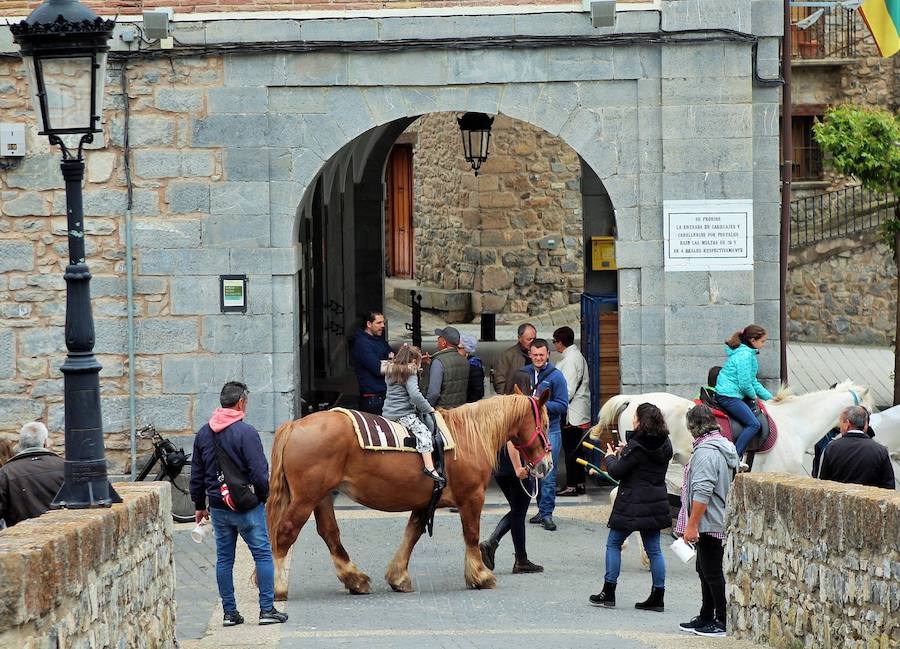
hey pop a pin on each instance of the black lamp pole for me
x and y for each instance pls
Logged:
(63, 42)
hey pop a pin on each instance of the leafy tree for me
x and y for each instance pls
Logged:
(865, 144)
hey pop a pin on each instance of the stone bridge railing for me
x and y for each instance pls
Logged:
(91, 577)
(811, 563)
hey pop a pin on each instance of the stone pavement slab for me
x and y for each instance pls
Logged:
(525, 611)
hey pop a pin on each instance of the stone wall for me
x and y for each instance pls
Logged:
(842, 291)
(810, 563)
(513, 234)
(91, 577)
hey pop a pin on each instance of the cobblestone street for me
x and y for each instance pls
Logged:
(523, 611)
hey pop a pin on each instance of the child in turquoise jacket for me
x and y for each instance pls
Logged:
(737, 383)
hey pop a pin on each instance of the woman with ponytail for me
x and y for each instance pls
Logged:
(404, 401)
(737, 384)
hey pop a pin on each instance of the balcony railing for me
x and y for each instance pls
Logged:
(833, 36)
(838, 213)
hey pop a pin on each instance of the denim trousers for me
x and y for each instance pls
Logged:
(651, 546)
(739, 409)
(251, 526)
(547, 496)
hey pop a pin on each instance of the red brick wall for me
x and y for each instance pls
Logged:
(23, 7)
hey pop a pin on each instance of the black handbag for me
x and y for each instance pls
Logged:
(234, 486)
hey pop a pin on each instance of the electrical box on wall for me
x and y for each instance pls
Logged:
(12, 140)
(603, 253)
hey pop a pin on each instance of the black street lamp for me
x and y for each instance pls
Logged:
(64, 46)
(476, 137)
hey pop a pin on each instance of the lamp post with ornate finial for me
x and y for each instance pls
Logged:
(64, 47)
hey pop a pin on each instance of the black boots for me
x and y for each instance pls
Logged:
(654, 602)
(524, 566)
(488, 548)
(606, 597)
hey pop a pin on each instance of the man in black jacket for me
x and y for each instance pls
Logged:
(854, 457)
(30, 479)
(240, 442)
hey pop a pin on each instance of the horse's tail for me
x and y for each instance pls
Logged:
(279, 490)
(609, 413)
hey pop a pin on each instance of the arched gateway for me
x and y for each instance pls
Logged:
(253, 141)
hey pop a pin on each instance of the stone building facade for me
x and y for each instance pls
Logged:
(512, 234)
(257, 145)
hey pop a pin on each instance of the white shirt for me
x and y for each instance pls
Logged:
(575, 370)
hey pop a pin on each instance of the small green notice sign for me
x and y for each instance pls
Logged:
(233, 293)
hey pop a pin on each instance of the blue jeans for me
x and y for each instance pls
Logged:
(547, 496)
(651, 546)
(739, 409)
(252, 528)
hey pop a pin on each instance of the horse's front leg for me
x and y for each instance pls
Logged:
(355, 580)
(397, 574)
(477, 574)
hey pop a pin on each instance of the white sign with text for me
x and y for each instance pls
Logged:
(708, 235)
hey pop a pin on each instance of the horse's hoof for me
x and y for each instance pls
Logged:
(484, 583)
(281, 595)
(358, 585)
(402, 586)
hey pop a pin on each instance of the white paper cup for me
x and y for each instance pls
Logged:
(683, 550)
(199, 533)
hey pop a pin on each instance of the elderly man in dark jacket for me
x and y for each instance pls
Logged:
(854, 457)
(512, 359)
(30, 479)
(228, 433)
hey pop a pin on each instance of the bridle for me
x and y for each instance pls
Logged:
(531, 462)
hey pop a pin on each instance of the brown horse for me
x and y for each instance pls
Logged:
(319, 453)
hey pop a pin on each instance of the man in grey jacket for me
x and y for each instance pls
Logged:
(704, 492)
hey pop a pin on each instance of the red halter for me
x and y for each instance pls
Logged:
(538, 433)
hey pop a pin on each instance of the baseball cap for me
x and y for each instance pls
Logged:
(450, 334)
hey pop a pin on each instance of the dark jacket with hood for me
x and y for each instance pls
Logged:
(366, 356)
(241, 442)
(642, 503)
(28, 484)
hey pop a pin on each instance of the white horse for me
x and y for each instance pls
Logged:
(801, 421)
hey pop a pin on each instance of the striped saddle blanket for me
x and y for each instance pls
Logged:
(376, 433)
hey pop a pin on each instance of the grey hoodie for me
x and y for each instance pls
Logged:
(712, 468)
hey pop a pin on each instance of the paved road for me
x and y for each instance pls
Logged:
(523, 611)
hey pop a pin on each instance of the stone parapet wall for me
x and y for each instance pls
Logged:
(91, 577)
(842, 291)
(811, 563)
(513, 234)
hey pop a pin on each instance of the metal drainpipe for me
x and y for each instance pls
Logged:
(787, 151)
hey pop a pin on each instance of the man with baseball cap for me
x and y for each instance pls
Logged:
(446, 381)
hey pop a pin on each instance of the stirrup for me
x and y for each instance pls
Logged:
(434, 475)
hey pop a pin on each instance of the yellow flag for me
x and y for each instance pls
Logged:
(883, 20)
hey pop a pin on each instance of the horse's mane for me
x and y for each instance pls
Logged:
(785, 395)
(484, 426)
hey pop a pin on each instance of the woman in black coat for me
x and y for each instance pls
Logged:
(642, 504)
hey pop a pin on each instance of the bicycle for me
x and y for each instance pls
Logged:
(172, 462)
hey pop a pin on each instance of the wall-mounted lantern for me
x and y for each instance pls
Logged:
(476, 137)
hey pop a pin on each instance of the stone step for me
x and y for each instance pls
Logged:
(454, 306)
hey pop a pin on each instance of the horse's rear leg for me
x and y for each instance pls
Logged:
(288, 529)
(397, 574)
(356, 581)
(477, 574)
